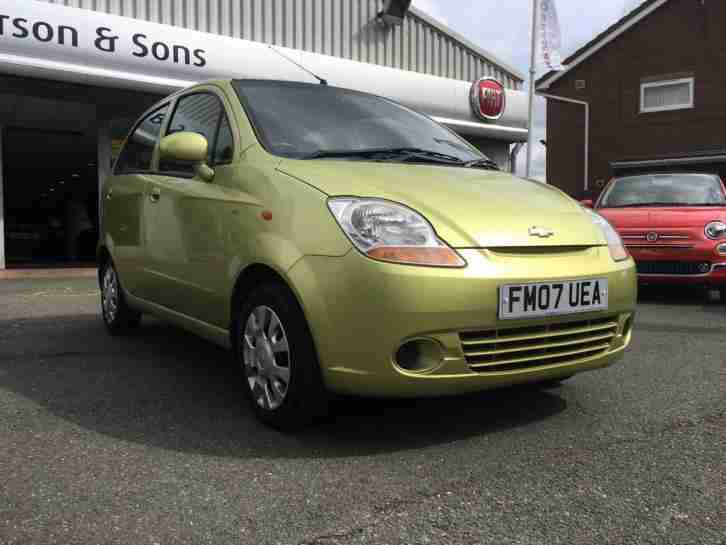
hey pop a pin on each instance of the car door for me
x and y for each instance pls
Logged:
(124, 202)
(186, 242)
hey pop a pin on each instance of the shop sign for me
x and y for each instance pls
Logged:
(488, 99)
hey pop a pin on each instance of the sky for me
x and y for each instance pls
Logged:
(503, 28)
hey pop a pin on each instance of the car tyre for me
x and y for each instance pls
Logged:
(117, 315)
(275, 352)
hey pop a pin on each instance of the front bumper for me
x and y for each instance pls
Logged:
(663, 265)
(360, 311)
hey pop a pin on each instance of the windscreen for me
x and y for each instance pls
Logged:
(298, 120)
(664, 190)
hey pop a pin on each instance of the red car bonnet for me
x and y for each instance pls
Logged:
(662, 217)
(659, 217)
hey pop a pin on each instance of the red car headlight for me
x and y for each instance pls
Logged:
(716, 230)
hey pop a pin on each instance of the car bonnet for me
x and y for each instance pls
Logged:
(468, 207)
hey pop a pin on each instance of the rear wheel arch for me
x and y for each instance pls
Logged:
(118, 316)
(103, 256)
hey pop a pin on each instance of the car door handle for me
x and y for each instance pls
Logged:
(109, 195)
(155, 195)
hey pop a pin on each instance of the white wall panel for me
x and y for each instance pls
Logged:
(343, 28)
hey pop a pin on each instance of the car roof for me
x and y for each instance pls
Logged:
(665, 173)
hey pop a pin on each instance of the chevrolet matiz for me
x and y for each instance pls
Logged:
(338, 242)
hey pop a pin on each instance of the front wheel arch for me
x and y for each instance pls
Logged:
(248, 280)
(260, 285)
(118, 317)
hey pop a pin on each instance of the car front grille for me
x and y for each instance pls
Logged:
(655, 239)
(513, 349)
(673, 267)
(659, 236)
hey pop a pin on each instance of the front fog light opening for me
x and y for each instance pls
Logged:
(419, 356)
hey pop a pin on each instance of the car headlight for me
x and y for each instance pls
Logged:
(389, 231)
(716, 230)
(615, 244)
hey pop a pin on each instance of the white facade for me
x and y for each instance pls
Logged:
(340, 28)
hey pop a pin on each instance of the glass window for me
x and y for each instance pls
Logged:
(224, 147)
(664, 190)
(139, 150)
(299, 120)
(662, 96)
(197, 113)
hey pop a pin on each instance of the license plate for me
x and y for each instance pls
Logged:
(517, 301)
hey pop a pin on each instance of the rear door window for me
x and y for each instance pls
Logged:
(139, 149)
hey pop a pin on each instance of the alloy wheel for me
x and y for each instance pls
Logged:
(266, 355)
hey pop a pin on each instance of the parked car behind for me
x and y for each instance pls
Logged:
(340, 242)
(673, 224)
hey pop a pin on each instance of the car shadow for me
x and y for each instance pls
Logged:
(683, 296)
(166, 388)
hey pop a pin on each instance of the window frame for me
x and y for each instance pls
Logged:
(162, 130)
(216, 139)
(691, 81)
(212, 144)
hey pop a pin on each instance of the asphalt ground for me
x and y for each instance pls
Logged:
(145, 440)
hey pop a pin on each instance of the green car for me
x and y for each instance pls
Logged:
(338, 242)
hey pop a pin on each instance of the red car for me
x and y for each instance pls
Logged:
(674, 225)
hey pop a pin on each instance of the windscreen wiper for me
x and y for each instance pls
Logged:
(483, 163)
(385, 154)
(325, 154)
(419, 153)
(642, 204)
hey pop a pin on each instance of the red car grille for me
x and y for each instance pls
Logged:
(658, 239)
(661, 236)
(678, 268)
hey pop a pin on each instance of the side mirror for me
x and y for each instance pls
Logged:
(188, 147)
(587, 203)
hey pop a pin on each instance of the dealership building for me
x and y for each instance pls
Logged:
(76, 74)
(645, 95)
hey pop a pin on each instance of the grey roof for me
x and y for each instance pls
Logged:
(484, 54)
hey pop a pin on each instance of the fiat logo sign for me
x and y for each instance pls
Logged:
(652, 237)
(488, 99)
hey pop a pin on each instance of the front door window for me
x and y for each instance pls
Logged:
(203, 114)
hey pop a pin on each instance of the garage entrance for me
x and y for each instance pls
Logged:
(51, 196)
(58, 142)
